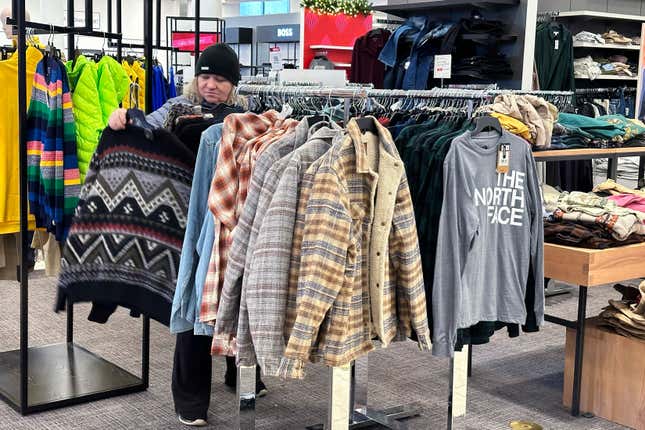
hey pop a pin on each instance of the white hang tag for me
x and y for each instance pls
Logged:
(503, 157)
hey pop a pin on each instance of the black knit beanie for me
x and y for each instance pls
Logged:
(219, 59)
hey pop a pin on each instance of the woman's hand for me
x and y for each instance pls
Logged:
(118, 119)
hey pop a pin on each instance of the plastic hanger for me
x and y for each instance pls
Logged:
(485, 122)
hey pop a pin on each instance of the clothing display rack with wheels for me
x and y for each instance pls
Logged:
(34, 379)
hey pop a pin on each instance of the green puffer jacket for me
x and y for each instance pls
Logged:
(113, 85)
(83, 79)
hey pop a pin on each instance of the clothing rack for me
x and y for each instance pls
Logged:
(360, 415)
(40, 378)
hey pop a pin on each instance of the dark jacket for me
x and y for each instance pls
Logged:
(366, 68)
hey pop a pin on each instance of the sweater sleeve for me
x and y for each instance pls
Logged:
(457, 231)
(537, 236)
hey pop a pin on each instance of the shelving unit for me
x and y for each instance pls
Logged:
(331, 48)
(597, 15)
(606, 46)
(611, 78)
(406, 8)
(519, 16)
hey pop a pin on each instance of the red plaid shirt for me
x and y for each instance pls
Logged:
(244, 137)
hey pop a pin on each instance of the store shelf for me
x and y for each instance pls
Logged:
(332, 47)
(586, 154)
(486, 37)
(406, 8)
(612, 78)
(606, 46)
(606, 16)
(593, 267)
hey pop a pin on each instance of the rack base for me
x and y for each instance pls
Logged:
(62, 375)
(388, 418)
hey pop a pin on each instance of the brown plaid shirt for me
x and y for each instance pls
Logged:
(359, 271)
(244, 137)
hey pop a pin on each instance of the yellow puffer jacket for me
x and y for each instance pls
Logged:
(137, 75)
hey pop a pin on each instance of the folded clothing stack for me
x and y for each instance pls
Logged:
(536, 114)
(627, 316)
(483, 67)
(592, 68)
(597, 220)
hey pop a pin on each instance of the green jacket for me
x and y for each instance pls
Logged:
(113, 85)
(83, 79)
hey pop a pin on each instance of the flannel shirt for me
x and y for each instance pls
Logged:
(244, 138)
(245, 352)
(266, 289)
(360, 263)
(267, 170)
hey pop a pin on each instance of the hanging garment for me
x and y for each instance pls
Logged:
(266, 292)
(321, 62)
(198, 242)
(10, 250)
(52, 167)
(50, 247)
(554, 57)
(359, 245)
(88, 117)
(244, 138)
(172, 86)
(124, 246)
(159, 90)
(9, 138)
(366, 68)
(232, 315)
(491, 221)
(113, 85)
(136, 95)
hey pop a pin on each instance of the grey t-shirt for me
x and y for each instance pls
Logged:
(490, 234)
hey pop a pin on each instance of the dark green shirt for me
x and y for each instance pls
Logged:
(554, 57)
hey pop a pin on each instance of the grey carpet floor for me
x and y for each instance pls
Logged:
(513, 379)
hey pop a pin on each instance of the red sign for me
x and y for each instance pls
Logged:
(185, 40)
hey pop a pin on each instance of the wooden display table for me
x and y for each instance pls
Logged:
(588, 268)
(613, 375)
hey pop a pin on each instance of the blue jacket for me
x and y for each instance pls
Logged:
(198, 241)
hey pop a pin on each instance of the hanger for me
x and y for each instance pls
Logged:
(137, 118)
(485, 122)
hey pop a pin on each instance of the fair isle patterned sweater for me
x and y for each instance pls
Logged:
(125, 242)
(52, 165)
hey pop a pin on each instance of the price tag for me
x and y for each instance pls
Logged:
(442, 66)
(276, 58)
(503, 157)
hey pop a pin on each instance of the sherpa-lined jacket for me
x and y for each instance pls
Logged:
(359, 231)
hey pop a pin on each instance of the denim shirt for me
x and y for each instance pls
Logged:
(415, 76)
(198, 241)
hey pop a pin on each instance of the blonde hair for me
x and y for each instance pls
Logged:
(191, 92)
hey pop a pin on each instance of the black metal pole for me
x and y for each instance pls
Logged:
(19, 14)
(119, 23)
(147, 51)
(580, 344)
(158, 17)
(70, 320)
(145, 353)
(89, 15)
(70, 23)
(197, 37)
(109, 16)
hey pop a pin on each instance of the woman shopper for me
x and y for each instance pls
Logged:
(217, 72)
